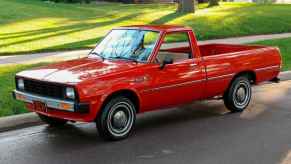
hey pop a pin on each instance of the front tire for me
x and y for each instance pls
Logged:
(117, 118)
(238, 96)
(54, 122)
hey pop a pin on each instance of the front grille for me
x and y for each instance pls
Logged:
(44, 89)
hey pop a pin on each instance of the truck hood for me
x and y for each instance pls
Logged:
(78, 70)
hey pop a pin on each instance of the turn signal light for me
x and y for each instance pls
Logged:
(20, 97)
(65, 106)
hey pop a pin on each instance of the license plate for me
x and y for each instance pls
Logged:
(39, 106)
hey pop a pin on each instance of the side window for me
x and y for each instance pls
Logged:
(175, 45)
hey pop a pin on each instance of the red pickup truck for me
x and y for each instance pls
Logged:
(137, 69)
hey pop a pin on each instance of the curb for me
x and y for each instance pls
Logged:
(31, 119)
(286, 75)
(19, 121)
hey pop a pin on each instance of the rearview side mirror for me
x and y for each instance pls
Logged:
(167, 60)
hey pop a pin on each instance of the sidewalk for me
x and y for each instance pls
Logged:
(67, 55)
(42, 57)
(248, 39)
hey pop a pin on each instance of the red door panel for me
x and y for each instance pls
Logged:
(177, 83)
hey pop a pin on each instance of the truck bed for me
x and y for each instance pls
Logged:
(217, 49)
(225, 60)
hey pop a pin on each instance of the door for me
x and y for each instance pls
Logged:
(180, 82)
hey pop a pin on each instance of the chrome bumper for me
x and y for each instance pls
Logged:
(64, 105)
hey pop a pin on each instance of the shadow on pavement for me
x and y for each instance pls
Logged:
(82, 134)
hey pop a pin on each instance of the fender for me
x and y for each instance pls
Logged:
(119, 88)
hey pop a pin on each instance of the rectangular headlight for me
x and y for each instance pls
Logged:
(20, 84)
(70, 92)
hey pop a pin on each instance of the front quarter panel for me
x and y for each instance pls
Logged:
(96, 90)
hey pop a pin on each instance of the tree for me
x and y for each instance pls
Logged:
(213, 3)
(186, 6)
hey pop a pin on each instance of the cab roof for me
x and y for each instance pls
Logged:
(164, 28)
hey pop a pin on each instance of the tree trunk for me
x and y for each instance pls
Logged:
(213, 3)
(186, 6)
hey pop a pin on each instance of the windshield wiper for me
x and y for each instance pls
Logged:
(95, 53)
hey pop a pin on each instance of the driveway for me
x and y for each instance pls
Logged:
(203, 132)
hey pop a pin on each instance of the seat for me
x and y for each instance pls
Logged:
(175, 56)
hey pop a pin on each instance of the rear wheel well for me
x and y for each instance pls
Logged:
(251, 75)
(131, 95)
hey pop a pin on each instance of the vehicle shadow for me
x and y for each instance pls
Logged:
(84, 134)
(191, 112)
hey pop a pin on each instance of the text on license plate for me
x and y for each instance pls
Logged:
(39, 106)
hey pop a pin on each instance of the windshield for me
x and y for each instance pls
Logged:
(128, 44)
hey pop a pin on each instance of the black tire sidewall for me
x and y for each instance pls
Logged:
(230, 93)
(101, 121)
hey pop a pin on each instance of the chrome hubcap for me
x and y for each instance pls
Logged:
(120, 119)
(241, 94)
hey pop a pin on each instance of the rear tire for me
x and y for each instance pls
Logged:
(238, 96)
(54, 122)
(117, 119)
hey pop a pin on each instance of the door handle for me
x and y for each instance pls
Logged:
(193, 65)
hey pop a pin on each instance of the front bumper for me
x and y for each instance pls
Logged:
(63, 105)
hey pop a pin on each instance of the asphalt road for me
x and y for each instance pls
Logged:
(203, 132)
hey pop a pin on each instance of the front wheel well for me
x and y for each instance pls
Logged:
(131, 95)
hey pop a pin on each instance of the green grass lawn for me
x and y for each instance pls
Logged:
(37, 26)
(285, 48)
(9, 106)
